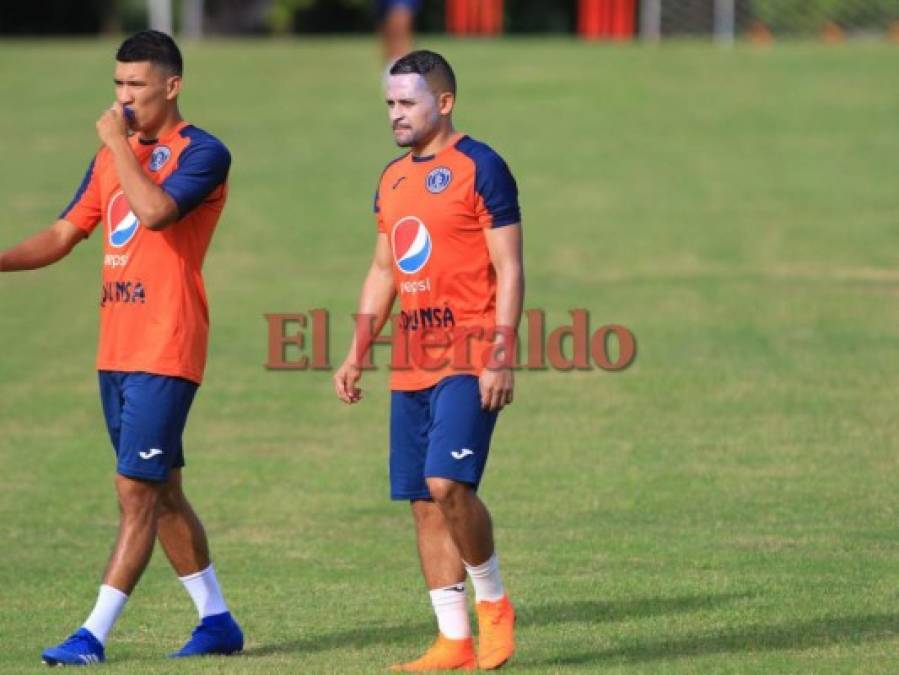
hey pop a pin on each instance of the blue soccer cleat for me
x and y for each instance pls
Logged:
(216, 634)
(81, 648)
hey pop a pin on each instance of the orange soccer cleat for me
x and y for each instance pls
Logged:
(444, 654)
(496, 642)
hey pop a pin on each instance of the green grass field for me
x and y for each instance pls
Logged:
(729, 504)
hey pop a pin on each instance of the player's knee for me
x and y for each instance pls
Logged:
(137, 498)
(170, 501)
(426, 513)
(446, 493)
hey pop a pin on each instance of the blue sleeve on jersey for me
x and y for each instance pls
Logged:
(202, 167)
(493, 182)
(81, 188)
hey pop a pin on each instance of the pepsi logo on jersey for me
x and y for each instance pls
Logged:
(121, 223)
(411, 243)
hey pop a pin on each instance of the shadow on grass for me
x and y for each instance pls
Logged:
(354, 637)
(751, 639)
(597, 611)
(580, 611)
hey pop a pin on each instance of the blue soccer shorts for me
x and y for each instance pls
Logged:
(439, 432)
(145, 415)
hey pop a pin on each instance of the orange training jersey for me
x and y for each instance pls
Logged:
(153, 312)
(434, 211)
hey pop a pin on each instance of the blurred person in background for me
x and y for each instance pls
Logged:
(396, 24)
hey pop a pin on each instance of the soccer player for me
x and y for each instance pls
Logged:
(449, 244)
(159, 193)
(396, 22)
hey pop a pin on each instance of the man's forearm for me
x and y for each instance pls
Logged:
(509, 298)
(39, 250)
(505, 248)
(509, 304)
(152, 206)
(375, 303)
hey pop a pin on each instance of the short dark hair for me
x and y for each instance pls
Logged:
(430, 65)
(153, 46)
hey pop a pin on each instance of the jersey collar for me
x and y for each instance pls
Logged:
(165, 137)
(451, 143)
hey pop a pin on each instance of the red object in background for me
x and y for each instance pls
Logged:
(606, 19)
(474, 17)
(491, 17)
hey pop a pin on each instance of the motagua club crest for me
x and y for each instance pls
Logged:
(438, 180)
(159, 157)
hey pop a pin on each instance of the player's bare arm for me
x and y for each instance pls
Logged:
(152, 206)
(376, 299)
(44, 248)
(505, 247)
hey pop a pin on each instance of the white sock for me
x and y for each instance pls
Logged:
(488, 584)
(452, 611)
(205, 592)
(110, 603)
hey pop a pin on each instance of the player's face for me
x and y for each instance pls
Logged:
(413, 108)
(147, 91)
